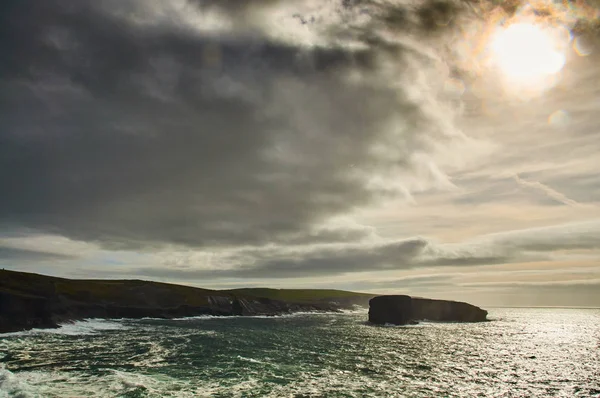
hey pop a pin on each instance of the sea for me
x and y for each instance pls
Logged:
(533, 352)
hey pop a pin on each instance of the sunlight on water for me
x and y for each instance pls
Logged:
(521, 353)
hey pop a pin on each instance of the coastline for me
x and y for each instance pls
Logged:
(29, 301)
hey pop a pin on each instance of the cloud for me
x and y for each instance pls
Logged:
(58, 245)
(319, 260)
(552, 193)
(538, 284)
(23, 255)
(287, 262)
(572, 236)
(281, 262)
(419, 282)
(139, 124)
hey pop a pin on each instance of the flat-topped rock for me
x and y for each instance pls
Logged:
(404, 310)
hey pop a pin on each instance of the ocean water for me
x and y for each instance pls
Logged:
(520, 353)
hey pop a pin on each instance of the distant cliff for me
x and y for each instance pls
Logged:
(403, 310)
(36, 301)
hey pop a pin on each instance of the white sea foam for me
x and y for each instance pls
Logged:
(84, 327)
(252, 360)
(12, 386)
(356, 310)
(38, 384)
(393, 325)
(219, 317)
(198, 317)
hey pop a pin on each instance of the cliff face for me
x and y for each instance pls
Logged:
(22, 312)
(446, 311)
(19, 312)
(396, 310)
(35, 301)
(403, 310)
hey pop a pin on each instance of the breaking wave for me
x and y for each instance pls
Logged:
(77, 328)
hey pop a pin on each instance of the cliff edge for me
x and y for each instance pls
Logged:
(37, 301)
(404, 310)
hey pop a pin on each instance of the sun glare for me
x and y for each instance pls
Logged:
(525, 52)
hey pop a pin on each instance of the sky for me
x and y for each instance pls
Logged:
(445, 149)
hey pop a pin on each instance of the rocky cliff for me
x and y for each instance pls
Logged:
(35, 301)
(403, 310)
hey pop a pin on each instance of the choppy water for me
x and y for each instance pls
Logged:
(521, 353)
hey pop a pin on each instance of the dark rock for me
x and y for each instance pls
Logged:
(404, 310)
(19, 312)
(396, 310)
(446, 311)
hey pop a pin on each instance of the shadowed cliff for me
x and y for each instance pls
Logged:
(37, 301)
(403, 310)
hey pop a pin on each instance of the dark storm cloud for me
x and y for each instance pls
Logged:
(337, 260)
(299, 262)
(323, 260)
(520, 246)
(123, 123)
(11, 253)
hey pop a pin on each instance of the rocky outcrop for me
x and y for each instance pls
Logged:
(404, 310)
(396, 310)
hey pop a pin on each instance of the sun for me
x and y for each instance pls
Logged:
(526, 52)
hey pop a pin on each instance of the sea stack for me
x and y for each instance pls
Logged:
(404, 310)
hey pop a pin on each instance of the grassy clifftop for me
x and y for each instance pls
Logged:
(132, 292)
(147, 293)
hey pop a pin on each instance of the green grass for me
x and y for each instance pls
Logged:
(147, 293)
(132, 292)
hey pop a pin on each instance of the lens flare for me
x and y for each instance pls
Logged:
(524, 52)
